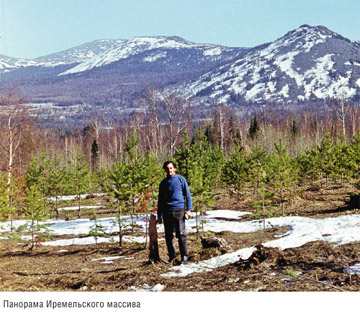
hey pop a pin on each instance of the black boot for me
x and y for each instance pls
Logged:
(184, 260)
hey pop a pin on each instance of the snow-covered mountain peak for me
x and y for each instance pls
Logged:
(306, 63)
(310, 32)
(160, 42)
(79, 53)
(155, 48)
(302, 39)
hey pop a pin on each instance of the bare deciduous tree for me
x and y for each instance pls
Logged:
(14, 119)
(154, 135)
(354, 114)
(167, 114)
(176, 115)
(341, 108)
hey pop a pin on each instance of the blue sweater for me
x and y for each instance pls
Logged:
(173, 193)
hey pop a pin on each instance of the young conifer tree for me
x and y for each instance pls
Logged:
(254, 127)
(15, 197)
(257, 162)
(94, 156)
(80, 178)
(355, 156)
(33, 211)
(183, 156)
(137, 184)
(264, 206)
(5, 210)
(152, 174)
(120, 177)
(55, 180)
(97, 230)
(326, 158)
(235, 171)
(36, 175)
(281, 174)
(196, 164)
(342, 162)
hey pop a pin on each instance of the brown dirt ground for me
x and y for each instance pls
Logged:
(316, 266)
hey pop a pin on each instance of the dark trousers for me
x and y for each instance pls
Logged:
(174, 221)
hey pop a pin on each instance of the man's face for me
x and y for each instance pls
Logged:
(170, 170)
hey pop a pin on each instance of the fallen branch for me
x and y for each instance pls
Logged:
(69, 272)
(46, 274)
(324, 283)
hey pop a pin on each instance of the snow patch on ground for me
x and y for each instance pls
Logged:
(353, 270)
(146, 288)
(77, 207)
(73, 197)
(210, 264)
(110, 259)
(301, 230)
(339, 230)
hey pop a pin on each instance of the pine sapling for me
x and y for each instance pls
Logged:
(33, 211)
(264, 207)
(97, 230)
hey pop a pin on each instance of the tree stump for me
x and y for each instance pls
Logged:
(213, 242)
(154, 248)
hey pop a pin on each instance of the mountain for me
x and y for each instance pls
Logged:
(51, 65)
(108, 81)
(152, 49)
(106, 77)
(113, 72)
(306, 64)
(70, 56)
(147, 50)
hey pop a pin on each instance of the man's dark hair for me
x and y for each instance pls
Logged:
(168, 162)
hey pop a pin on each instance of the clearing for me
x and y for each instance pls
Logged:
(287, 256)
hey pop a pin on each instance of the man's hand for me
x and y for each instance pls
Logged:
(159, 220)
(188, 214)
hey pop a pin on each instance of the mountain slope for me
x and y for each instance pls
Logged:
(8, 64)
(308, 63)
(79, 53)
(154, 48)
(70, 56)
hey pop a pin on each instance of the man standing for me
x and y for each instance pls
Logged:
(173, 203)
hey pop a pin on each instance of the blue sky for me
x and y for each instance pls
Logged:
(33, 28)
